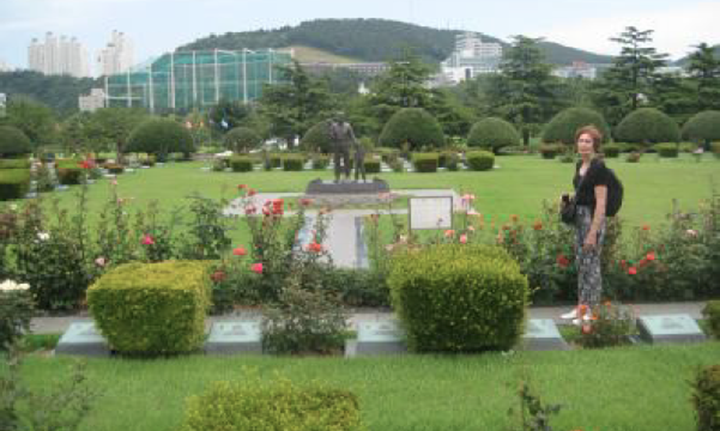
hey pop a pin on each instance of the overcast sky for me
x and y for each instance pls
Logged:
(158, 26)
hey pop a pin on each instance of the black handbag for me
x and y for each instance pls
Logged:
(568, 207)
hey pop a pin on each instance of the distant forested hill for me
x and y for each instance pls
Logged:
(60, 92)
(370, 40)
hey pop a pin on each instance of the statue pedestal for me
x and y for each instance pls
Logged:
(344, 187)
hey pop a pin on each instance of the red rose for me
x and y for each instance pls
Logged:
(257, 268)
(632, 270)
(239, 251)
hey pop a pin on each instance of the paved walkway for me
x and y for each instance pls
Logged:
(56, 325)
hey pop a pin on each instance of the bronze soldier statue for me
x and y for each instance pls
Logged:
(343, 137)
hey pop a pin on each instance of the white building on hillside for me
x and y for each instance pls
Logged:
(95, 100)
(470, 58)
(578, 69)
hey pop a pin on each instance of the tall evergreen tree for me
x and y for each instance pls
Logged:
(704, 69)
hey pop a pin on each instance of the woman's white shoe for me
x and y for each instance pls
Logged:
(570, 315)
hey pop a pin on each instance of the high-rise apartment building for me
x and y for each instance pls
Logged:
(117, 56)
(58, 56)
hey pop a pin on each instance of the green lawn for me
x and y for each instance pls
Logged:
(632, 388)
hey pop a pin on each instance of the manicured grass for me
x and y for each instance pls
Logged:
(632, 388)
(518, 187)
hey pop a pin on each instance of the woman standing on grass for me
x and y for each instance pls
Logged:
(591, 191)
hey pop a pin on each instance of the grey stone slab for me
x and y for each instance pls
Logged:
(319, 186)
(670, 328)
(232, 337)
(543, 334)
(82, 338)
(377, 338)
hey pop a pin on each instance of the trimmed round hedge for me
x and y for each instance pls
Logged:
(459, 297)
(647, 126)
(242, 139)
(565, 124)
(480, 160)
(414, 126)
(703, 127)
(160, 136)
(13, 142)
(317, 138)
(493, 133)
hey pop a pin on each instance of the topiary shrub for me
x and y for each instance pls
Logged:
(242, 139)
(493, 134)
(425, 162)
(241, 164)
(281, 405)
(293, 162)
(703, 127)
(320, 162)
(480, 160)
(372, 166)
(13, 142)
(459, 297)
(711, 312)
(68, 171)
(549, 151)
(565, 124)
(647, 126)
(414, 126)
(715, 148)
(275, 160)
(450, 160)
(317, 138)
(706, 398)
(148, 160)
(160, 136)
(152, 309)
(611, 151)
(387, 154)
(14, 164)
(14, 183)
(667, 150)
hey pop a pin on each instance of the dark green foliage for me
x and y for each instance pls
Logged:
(493, 134)
(114, 168)
(647, 126)
(565, 124)
(706, 398)
(16, 310)
(69, 171)
(14, 183)
(459, 298)
(711, 312)
(160, 137)
(14, 164)
(253, 405)
(450, 160)
(242, 139)
(611, 150)
(59, 92)
(13, 142)
(667, 150)
(703, 128)
(704, 70)
(318, 138)
(320, 162)
(425, 162)
(414, 126)
(372, 166)
(241, 164)
(293, 162)
(152, 309)
(480, 160)
(612, 326)
(549, 151)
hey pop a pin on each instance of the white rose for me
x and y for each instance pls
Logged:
(43, 236)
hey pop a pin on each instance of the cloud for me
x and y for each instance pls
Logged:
(676, 28)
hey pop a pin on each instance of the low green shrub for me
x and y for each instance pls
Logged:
(480, 160)
(611, 151)
(150, 309)
(148, 160)
(706, 398)
(114, 168)
(372, 166)
(14, 164)
(293, 162)
(715, 148)
(281, 405)
(387, 154)
(633, 157)
(357, 287)
(241, 164)
(16, 310)
(275, 160)
(14, 183)
(451, 161)
(688, 147)
(425, 162)
(712, 313)
(549, 151)
(320, 162)
(459, 297)
(612, 325)
(667, 150)
(69, 175)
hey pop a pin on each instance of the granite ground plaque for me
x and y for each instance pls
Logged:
(319, 186)
(377, 338)
(670, 328)
(542, 334)
(81, 338)
(234, 337)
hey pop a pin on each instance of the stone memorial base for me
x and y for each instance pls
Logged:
(543, 334)
(82, 338)
(320, 187)
(234, 337)
(377, 338)
(670, 328)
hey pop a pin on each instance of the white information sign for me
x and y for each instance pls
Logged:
(431, 212)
